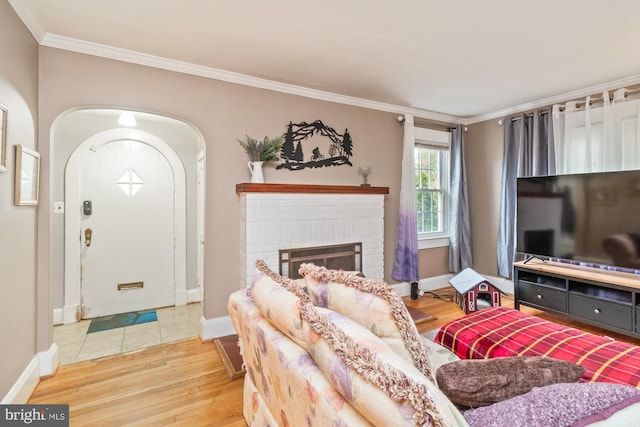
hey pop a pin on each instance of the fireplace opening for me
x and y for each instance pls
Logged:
(346, 257)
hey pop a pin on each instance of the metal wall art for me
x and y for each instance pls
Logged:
(337, 150)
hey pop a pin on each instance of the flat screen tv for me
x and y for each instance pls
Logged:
(591, 218)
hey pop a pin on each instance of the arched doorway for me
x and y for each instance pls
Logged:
(178, 142)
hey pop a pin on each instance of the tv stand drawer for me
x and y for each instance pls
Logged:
(597, 310)
(542, 296)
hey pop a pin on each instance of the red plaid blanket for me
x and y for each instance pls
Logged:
(501, 331)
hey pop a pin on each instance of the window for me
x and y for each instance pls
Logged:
(431, 162)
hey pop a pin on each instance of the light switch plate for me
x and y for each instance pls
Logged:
(58, 207)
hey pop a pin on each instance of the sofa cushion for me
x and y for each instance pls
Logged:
(482, 382)
(371, 303)
(278, 299)
(382, 385)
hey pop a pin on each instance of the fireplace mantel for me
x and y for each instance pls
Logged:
(308, 188)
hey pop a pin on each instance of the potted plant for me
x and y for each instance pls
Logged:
(267, 150)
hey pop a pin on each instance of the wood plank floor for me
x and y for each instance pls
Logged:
(185, 384)
(178, 384)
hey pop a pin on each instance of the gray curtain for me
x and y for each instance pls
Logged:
(460, 225)
(528, 151)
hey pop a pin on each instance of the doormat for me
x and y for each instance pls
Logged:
(121, 320)
(230, 354)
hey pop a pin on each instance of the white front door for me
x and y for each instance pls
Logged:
(127, 196)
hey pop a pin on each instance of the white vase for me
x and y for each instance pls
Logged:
(256, 172)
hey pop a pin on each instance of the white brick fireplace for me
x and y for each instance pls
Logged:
(285, 216)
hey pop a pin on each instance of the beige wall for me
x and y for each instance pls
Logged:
(433, 262)
(224, 112)
(483, 154)
(18, 92)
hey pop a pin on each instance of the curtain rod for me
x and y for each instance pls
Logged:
(591, 101)
(400, 120)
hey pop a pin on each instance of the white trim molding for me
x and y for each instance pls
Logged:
(194, 295)
(404, 288)
(70, 313)
(436, 282)
(58, 316)
(49, 361)
(25, 385)
(216, 327)
(43, 364)
(433, 242)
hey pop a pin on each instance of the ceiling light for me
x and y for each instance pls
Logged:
(127, 119)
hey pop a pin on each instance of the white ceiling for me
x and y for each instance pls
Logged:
(458, 60)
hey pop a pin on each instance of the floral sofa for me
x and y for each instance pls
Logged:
(334, 349)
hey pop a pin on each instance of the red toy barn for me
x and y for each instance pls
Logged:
(474, 292)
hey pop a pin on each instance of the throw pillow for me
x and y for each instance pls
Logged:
(371, 303)
(578, 405)
(481, 382)
(279, 299)
(383, 386)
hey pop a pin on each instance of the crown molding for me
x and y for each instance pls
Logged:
(567, 96)
(104, 51)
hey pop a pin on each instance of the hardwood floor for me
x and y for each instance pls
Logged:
(177, 384)
(185, 384)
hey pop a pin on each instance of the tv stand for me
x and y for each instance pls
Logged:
(606, 299)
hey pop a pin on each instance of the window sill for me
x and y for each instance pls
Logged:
(433, 242)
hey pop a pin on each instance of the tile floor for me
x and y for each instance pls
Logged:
(173, 324)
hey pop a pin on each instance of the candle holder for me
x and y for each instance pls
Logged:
(365, 172)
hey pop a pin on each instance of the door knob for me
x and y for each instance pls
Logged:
(87, 236)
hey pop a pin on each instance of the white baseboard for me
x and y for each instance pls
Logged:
(404, 288)
(58, 316)
(432, 283)
(49, 361)
(214, 328)
(25, 385)
(70, 314)
(43, 364)
(194, 295)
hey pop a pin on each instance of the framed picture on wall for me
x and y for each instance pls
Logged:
(3, 138)
(27, 177)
